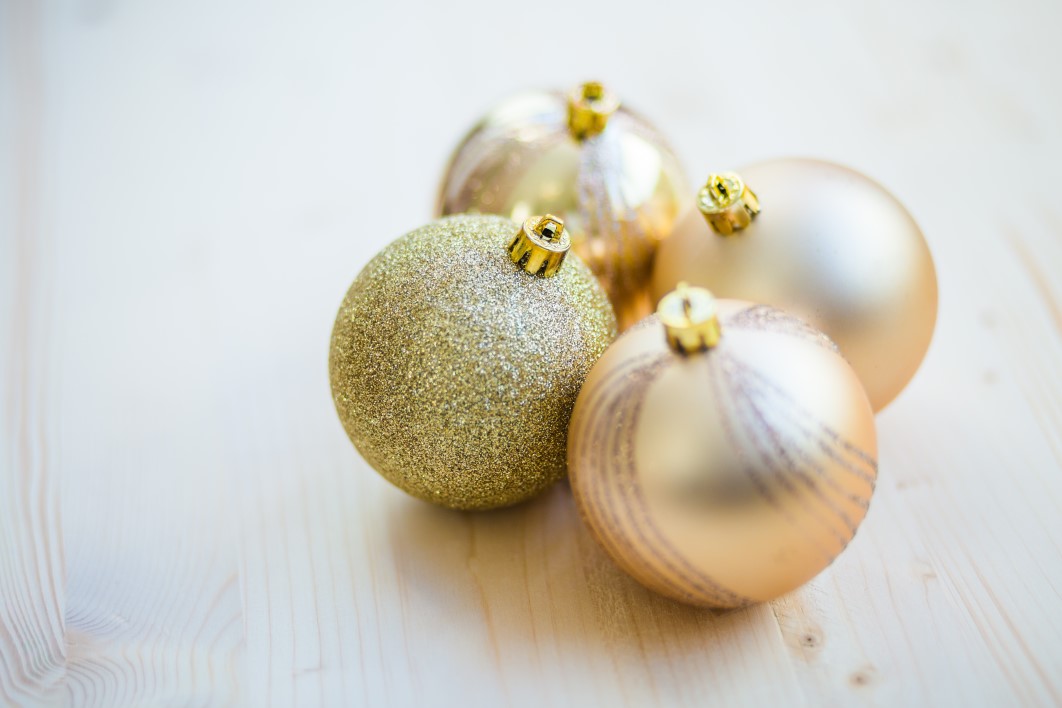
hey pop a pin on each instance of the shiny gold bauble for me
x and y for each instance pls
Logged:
(454, 370)
(726, 476)
(828, 245)
(601, 167)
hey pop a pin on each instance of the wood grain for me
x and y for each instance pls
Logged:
(32, 578)
(188, 189)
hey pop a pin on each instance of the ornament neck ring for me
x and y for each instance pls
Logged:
(541, 244)
(727, 203)
(589, 108)
(690, 319)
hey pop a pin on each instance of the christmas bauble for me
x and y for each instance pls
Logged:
(457, 355)
(722, 452)
(820, 241)
(601, 167)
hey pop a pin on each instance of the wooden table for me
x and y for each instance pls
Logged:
(188, 188)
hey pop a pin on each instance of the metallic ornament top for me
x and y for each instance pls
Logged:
(725, 476)
(727, 203)
(541, 244)
(689, 319)
(594, 163)
(828, 245)
(456, 384)
(589, 108)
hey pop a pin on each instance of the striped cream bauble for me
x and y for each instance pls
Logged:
(722, 452)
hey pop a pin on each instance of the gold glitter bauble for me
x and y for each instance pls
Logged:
(726, 476)
(454, 371)
(601, 167)
(828, 245)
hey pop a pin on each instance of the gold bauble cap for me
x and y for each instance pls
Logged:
(541, 244)
(690, 318)
(727, 203)
(589, 108)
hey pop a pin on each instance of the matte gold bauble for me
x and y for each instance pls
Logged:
(825, 243)
(601, 167)
(722, 452)
(457, 355)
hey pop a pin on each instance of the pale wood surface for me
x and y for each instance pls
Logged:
(187, 188)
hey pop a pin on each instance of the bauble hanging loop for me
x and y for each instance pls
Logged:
(689, 319)
(727, 203)
(589, 108)
(541, 244)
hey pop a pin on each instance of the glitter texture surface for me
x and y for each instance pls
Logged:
(454, 372)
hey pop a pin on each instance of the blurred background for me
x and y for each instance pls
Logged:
(188, 188)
